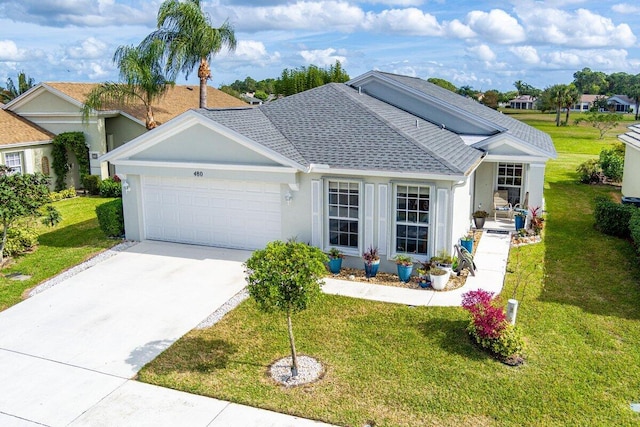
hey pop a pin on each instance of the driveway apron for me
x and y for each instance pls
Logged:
(68, 348)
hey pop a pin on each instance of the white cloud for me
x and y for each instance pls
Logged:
(403, 21)
(90, 48)
(527, 54)
(582, 28)
(322, 58)
(249, 51)
(459, 30)
(626, 8)
(9, 51)
(496, 26)
(397, 2)
(482, 52)
(598, 59)
(97, 71)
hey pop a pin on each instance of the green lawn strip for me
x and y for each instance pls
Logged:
(75, 239)
(579, 312)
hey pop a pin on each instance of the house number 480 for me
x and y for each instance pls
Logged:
(198, 174)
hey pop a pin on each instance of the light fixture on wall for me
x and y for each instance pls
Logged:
(125, 186)
(288, 197)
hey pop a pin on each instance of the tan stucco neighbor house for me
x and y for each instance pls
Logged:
(383, 160)
(631, 173)
(56, 107)
(24, 146)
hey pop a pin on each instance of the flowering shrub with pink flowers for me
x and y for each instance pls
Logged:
(489, 326)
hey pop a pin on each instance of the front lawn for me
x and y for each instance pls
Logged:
(401, 366)
(75, 239)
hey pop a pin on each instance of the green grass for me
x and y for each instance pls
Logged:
(75, 239)
(401, 366)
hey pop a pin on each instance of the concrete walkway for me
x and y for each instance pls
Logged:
(491, 258)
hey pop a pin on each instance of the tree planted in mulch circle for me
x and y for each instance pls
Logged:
(286, 277)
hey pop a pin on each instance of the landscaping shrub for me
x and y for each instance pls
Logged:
(489, 326)
(69, 193)
(634, 228)
(110, 188)
(590, 172)
(91, 184)
(20, 240)
(110, 218)
(612, 218)
(612, 162)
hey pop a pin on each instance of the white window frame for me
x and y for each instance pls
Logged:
(347, 250)
(431, 226)
(20, 156)
(511, 185)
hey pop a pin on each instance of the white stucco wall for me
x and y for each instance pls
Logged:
(631, 174)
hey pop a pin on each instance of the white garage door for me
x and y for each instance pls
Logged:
(231, 214)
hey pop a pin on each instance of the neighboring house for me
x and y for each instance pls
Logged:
(585, 103)
(250, 99)
(57, 107)
(383, 160)
(523, 102)
(24, 146)
(631, 174)
(621, 103)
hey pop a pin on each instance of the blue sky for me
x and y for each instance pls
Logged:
(483, 44)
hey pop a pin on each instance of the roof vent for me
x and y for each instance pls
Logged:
(417, 124)
(359, 90)
(442, 126)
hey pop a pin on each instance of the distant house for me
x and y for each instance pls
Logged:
(250, 99)
(56, 107)
(523, 102)
(631, 174)
(621, 103)
(24, 146)
(586, 102)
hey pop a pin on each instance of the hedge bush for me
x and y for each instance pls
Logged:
(69, 193)
(634, 228)
(91, 184)
(20, 240)
(110, 188)
(110, 218)
(611, 217)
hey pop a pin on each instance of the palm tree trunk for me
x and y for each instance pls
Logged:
(557, 116)
(150, 120)
(566, 118)
(204, 74)
(294, 356)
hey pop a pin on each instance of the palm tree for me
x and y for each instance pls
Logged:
(557, 97)
(190, 40)
(571, 98)
(11, 91)
(142, 81)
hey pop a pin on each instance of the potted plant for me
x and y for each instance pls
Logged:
(467, 242)
(537, 222)
(479, 217)
(520, 219)
(423, 273)
(443, 260)
(404, 263)
(335, 260)
(439, 278)
(371, 262)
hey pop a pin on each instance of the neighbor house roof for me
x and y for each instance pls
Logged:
(177, 100)
(621, 99)
(337, 126)
(525, 133)
(17, 130)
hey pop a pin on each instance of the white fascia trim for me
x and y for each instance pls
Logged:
(630, 141)
(206, 166)
(384, 174)
(49, 114)
(512, 141)
(515, 159)
(25, 144)
(456, 111)
(24, 98)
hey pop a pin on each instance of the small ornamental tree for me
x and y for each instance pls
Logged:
(21, 195)
(286, 277)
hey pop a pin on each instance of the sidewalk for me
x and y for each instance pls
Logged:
(491, 262)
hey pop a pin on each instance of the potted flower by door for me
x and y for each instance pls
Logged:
(439, 278)
(520, 220)
(423, 273)
(443, 260)
(404, 263)
(371, 262)
(479, 217)
(467, 242)
(335, 260)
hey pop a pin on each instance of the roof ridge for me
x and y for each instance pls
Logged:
(399, 131)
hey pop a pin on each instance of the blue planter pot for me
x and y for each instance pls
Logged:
(370, 270)
(404, 272)
(335, 265)
(467, 244)
(519, 222)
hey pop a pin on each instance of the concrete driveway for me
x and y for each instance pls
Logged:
(67, 354)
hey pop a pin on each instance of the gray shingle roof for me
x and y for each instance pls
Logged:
(518, 129)
(337, 126)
